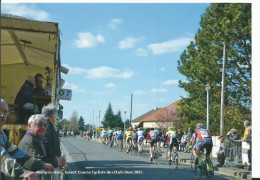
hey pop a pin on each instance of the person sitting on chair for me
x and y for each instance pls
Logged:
(38, 91)
(24, 97)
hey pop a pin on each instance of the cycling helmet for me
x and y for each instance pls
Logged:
(199, 126)
(152, 129)
(170, 128)
(140, 129)
(156, 128)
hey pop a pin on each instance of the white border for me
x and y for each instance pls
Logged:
(255, 56)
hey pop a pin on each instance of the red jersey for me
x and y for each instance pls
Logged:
(202, 134)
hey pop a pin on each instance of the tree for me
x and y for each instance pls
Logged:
(63, 124)
(201, 63)
(168, 117)
(117, 122)
(108, 118)
(81, 124)
(74, 122)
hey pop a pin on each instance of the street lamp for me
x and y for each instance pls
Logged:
(124, 121)
(207, 89)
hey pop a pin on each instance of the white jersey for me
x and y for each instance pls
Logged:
(104, 133)
(171, 134)
(119, 132)
(140, 133)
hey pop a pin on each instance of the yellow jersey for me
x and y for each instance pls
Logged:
(128, 134)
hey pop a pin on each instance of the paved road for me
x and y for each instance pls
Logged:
(88, 157)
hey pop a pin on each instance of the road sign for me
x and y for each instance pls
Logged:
(65, 94)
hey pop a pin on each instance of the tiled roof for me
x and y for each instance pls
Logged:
(140, 118)
(153, 117)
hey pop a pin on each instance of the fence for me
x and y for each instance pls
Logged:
(233, 153)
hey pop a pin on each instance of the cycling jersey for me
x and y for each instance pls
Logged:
(205, 140)
(128, 134)
(171, 134)
(202, 134)
(104, 133)
(119, 135)
(139, 136)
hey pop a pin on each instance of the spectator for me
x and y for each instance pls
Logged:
(221, 152)
(188, 140)
(178, 137)
(248, 138)
(38, 91)
(52, 143)
(33, 142)
(233, 135)
(24, 97)
(14, 161)
(183, 142)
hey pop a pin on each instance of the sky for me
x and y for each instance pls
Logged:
(115, 50)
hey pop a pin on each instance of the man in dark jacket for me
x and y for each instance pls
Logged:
(33, 141)
(24, 97)
(52, 142)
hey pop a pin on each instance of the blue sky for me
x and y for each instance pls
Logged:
(115, 50)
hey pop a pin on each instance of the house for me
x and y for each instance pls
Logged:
(135, 122)
(163, 118)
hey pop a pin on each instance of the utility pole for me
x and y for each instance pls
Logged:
(89, 121)
(131, 110)
(222, 93)
(207, 89)
(93, 119)
(124, 121)
(99, 118)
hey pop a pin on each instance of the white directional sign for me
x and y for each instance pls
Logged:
(65, 94)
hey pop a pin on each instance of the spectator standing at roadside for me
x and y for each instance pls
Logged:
(247, 138)
(52, 142)
(221, 152)
(178, 137)
(183, 142)
(233, 135)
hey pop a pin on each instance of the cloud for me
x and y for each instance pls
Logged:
(127, 43)
(110, 85)
(75, 70)
(74, 87)
(139, 92)
(114, 23)
(163, 69)
(88, 40)
(161, 90)
(24, 10)
(100, 72)
(141, 52)
(108, 72)
(169, 46)
(171, 82)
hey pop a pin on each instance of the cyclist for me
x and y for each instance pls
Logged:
(110, 134)
(128, 139)
(114, 137)
(173, 142)
(204, 141)
(159, 136)
(153, 135)
(119, 137)
(140, 138)
(103, 135)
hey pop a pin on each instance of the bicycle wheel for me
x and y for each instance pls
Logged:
(210, 169)
(192, 164)
(175, 160)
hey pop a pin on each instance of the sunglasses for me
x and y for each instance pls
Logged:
(41, 124)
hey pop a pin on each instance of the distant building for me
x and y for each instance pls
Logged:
(162, 118)
(135, 122)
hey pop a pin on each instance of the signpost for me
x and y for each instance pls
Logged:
(65, 94)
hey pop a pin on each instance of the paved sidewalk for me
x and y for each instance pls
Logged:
(185, 158)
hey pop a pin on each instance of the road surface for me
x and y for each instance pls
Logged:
(93, 160)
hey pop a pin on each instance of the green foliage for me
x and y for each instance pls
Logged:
(201, 63)
(81, 124)
(110, 120)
